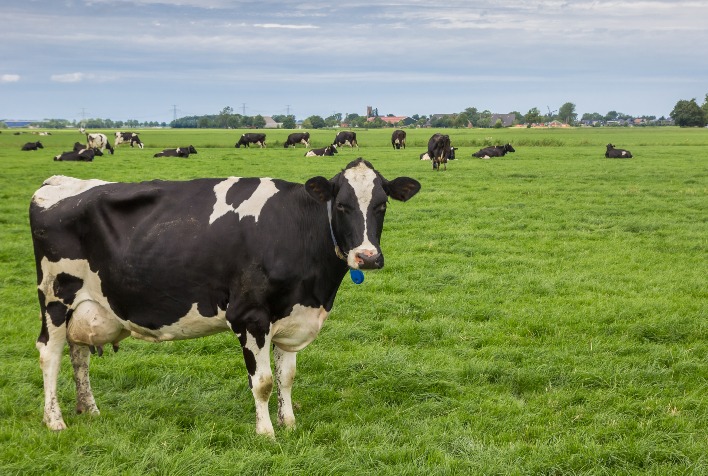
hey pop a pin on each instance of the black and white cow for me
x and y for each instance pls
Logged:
(33, 146)
(178, 152)
(330, 150)
(251, 138)
(297, 138)
(613, 153)
(98, 141)
(260, 257)
(128, 137)
(78, 146)
(494, 151)
(440, 151)
(346, 138)
(83, 155)
(398, 139)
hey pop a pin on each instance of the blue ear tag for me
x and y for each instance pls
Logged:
(356, 275)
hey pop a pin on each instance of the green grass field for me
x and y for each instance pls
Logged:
(541, 313)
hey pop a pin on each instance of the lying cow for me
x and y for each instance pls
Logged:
(83, 155)
(494, 151)
(398, 139)
(79, 146)
(613, 153)
(251, 138)
(33, 146)
(178, 152)
(330, 150)
(98, 141)
(106, 268)
(128, 137)
(346, 138)
(298, 138)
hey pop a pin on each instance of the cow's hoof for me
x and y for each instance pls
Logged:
(56, 425)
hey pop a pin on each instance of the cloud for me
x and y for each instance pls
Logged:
(9, 78)
(68, 77)
(290, 27)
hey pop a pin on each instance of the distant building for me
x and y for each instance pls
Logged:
(507, 120)
(17, 122)
(271, 124)
(388, 119)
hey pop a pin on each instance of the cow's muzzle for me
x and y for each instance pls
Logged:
(369, 259)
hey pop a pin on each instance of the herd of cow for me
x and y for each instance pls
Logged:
(439, 152)
(262, 258)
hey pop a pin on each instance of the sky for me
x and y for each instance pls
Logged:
(152, 60)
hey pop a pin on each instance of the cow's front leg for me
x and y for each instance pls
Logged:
(260, 378)
(285, 375)
(50, 345)
(80, 357)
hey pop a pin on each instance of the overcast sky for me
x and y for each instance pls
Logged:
(141, 59)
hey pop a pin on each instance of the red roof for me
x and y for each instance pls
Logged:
(388, 119)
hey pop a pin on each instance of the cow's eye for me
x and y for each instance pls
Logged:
(342, 207)
(381, 208)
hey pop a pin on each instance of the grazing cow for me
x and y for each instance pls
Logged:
(127, 137)
(346, 138)
(33, 146)
(495, 151)
(178, 152)
(613, 153)
(398, 139)
(260, 257)
(251, 138)
(83, 155)
(330, 150)
(298, 138)
(98, 141)
(78, 146)
(440, 151)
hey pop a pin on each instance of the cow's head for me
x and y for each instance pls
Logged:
(39, 145)
(358, 197)
(509, 148)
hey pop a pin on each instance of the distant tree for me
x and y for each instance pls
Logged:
(705, 107)
(258, 122)
(567, 113)
(533, 116)
(288, 122)
(518, 117)
(224, 116)
(313, 122)
(612, 116)
(462, 120)
(688, 114)
(473, 115)
(3, 125)
(333, 120)
(499, 124)
(203, 122)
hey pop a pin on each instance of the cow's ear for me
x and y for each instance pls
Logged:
(402, 188)
(320, 189)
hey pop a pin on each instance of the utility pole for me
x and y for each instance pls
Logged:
(174, 112)
(287, 109)
(243, 106)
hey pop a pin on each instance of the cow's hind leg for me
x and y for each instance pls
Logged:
(285, 375)
(50, 345)
(256, 353)
(80, 357)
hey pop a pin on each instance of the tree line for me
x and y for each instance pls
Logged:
(686, 113)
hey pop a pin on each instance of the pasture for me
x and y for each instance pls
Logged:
(541, 313)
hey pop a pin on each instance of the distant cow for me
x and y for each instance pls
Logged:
(98, 141)
(346, 138)
(178, 152)
(251, 138)
(398, 139)
(78, 146)
(128, 137)
(613, 153)
(83, 155)
(330, 150)
(495, 151)
(33, 146)
(440, 151)
(298, 138)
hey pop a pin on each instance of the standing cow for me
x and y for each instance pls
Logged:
(260, 257)
(346, 138)
(128, 137)
(398, 139)
(251, 138)
(297, 138)
(98, 141)
(440, 151)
